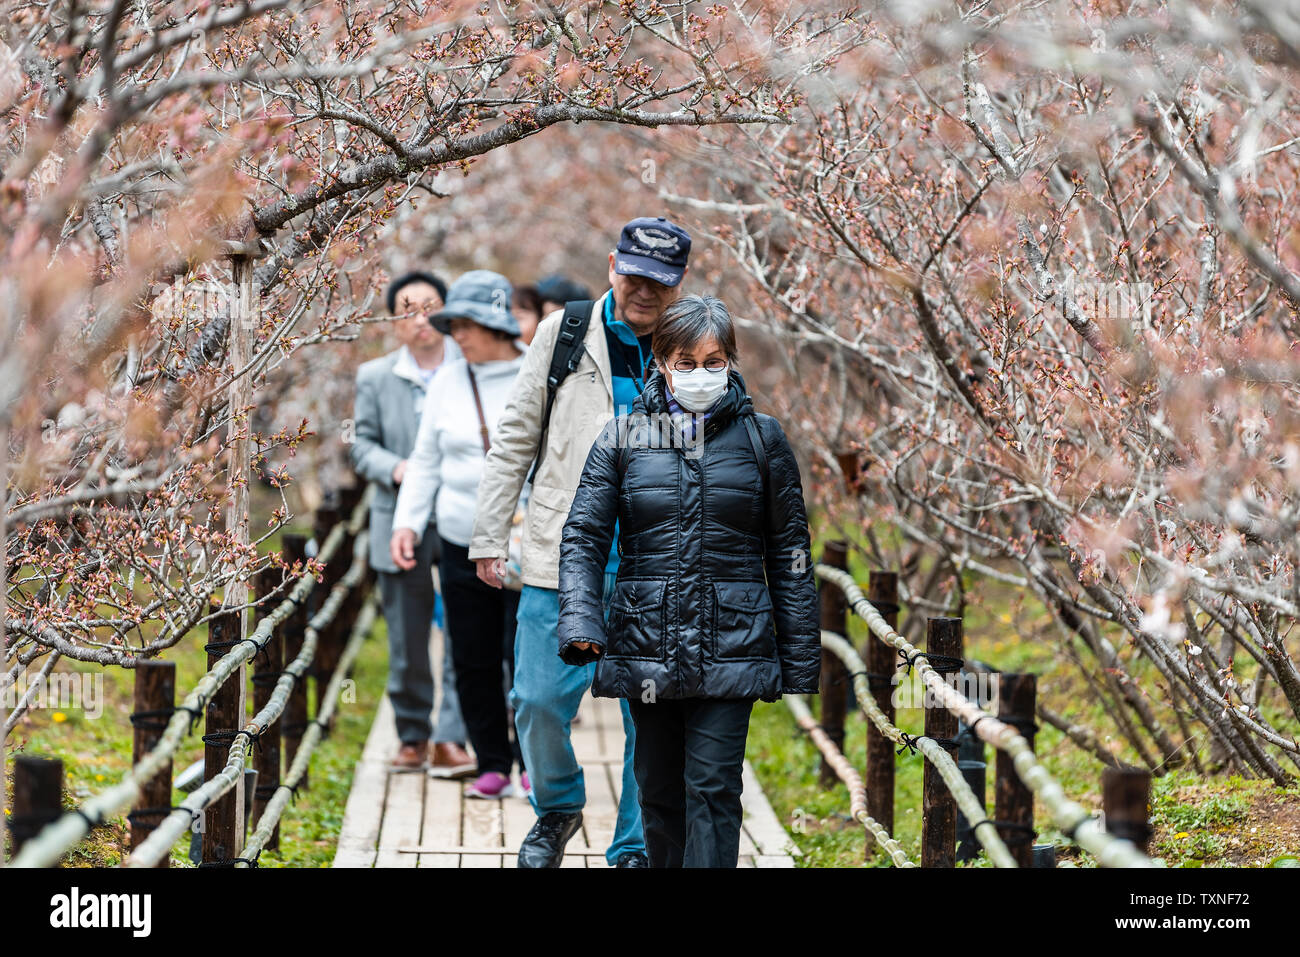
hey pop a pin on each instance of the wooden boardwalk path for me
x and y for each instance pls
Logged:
(405, 819)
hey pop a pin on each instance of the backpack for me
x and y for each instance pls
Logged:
(564, 359)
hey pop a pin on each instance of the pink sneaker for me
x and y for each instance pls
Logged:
(492, 785)
(524, 785)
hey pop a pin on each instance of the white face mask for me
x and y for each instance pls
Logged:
(698, 389)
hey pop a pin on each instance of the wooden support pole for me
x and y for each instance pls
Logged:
(834, 617)
(1126, 798)
(266, 757)
(294, 720)
(38, 797)
(154, 703)
(938, 808)
(223, 819)
(244, 317)
(882, 661)
(1013, 800)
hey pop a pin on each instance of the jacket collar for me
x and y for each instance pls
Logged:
(734, 403)
(405, 366)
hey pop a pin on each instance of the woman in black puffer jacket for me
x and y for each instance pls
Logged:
(714, 605)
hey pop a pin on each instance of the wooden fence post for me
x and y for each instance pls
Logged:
(1013, 800)
(294, 720)
(1125, 799)
(223, 831)
(882, 592)
(38, 797)
(245, 313)
(154, 703)
(834, 617)
(938, 808)
(266, 758)
(349, 499)
(329, 643)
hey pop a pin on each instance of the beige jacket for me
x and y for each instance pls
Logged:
(583, 404)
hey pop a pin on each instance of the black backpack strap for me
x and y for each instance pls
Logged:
(564, 359)
(760, 453)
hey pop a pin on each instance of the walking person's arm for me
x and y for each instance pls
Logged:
(584, 549)
(789, 568)
(371, 460)
(515, 440)
(419, 488)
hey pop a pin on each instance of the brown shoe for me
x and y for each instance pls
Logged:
(410, 757)
(449, 760)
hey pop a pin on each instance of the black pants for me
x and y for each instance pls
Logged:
(481, 626)
(687, 761)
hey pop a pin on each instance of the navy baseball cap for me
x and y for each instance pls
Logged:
(653, 247)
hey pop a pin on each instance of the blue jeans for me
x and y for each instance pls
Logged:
(545, 697)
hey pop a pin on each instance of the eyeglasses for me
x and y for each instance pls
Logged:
(690, 365)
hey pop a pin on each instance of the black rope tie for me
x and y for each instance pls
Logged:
(323, 725)
(257, 650)
(1076, 825)
(264, 678)
(943, 664)
(908, 742)
(194, 713)
(29, 825)
(970, 728)
(254, 737)
(156, 720)
(948, 743)
(1027, 727)
(292, 789)
(884, 607)
(91, 822)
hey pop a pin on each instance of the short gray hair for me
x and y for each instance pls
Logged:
(690, 320)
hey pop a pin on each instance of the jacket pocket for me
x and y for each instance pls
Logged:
(635, 628)
(742, 621)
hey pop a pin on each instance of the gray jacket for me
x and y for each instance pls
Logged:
(386, 421)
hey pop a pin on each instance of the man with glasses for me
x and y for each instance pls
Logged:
(645, 270)
(390, 397)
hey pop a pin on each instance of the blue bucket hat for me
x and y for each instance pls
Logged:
(480, 295)
(654, 247)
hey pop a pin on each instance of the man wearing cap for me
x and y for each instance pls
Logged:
(645, 271)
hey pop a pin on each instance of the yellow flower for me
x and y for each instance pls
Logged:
(59, 717)
(1180, 835)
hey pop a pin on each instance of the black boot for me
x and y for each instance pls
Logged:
(544, 845)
